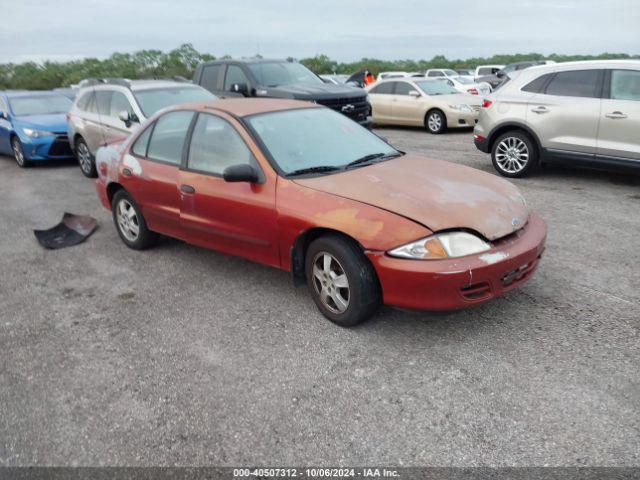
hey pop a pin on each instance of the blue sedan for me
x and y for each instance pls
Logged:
(33, 126)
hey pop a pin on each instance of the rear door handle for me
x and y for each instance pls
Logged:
(187, 189)
(616, 115)
(540, 110)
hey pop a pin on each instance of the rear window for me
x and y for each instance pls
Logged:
(578, 83)
(209, 79)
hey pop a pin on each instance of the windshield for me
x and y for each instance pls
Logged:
(298, 139)
(39, 105)
(155, 99)
(274, 74)
(434, 87)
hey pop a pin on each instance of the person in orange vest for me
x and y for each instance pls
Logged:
(368, 78)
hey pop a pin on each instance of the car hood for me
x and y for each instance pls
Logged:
(437, 194)
(314, 91)
(56, 122)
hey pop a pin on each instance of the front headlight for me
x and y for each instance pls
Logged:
(30, 132)
(442, 245)
(463, 107)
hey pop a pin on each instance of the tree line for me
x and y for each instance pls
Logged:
(183, 60)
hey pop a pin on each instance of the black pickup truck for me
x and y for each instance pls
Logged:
(281, 79)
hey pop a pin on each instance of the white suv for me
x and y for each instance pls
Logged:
(581, 113)
(105, 109)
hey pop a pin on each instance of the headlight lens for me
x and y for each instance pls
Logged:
(442, 245)
(463, 107)
(30, 132)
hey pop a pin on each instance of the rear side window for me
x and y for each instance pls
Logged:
(537, 85)
(140, 147)
(209, 78)
(386, 87)
(167, 139)
(625, 85)
(103, 100)
(578, 83)
(84, 100)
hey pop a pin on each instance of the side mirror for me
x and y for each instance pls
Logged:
(414, 94)
(128, 118)
(241, 173)
(240, 88)
(3, 114)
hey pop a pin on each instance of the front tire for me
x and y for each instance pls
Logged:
(130, 223)
(341, 280)
(18, 153)
(435, 122)
(514, 154)
(86, 161)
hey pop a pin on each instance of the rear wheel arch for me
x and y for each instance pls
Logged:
(515, 127)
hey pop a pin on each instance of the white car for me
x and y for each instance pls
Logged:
(484, 70)
(467, 85)
(383, 75)
(441, 72)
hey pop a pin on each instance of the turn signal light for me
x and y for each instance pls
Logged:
(473, 91)
(486, 103)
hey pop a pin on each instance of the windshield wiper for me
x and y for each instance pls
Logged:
(371, 157)
(317, 169)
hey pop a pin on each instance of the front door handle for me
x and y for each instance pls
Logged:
(540, 109)
(616, 115)
(187, 189)
(126, 172)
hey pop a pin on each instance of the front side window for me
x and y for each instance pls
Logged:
(234, 75)
(578, 83)
(216, 145)
(154, 99)
(119, 103)
(625, 85)
(297, 139)
(103, 101)
(435, 74)
(403, 88)
(273, 74)
(39, 105)
(434, 87)
(167, 139)
(383, 88)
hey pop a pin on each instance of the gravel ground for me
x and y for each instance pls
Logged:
(179, 355)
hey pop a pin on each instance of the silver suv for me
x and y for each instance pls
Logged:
(105, 109)
(581, 113)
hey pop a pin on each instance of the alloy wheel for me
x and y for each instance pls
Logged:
(434, 122)
(331, 283)
(84, 157)
(17, 152)
(512, 155)
(128, 221)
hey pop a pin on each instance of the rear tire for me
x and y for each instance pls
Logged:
(435, 122)
(341, 280)
(86, 161)
(514, 154)
(130, 223)
(18, 153)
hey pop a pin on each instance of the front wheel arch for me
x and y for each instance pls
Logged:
(442, 114)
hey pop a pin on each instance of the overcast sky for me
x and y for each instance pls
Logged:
(343, 29)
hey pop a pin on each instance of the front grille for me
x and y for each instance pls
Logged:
(356, 108)
(60, 147)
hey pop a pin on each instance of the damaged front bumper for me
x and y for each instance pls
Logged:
(462, 282)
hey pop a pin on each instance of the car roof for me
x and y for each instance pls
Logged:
(137, 85)
(249, 60)
(244, 107)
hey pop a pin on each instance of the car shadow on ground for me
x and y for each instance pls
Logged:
(406, 128)
(44, 164)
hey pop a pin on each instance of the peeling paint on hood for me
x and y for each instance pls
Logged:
(437, 194)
